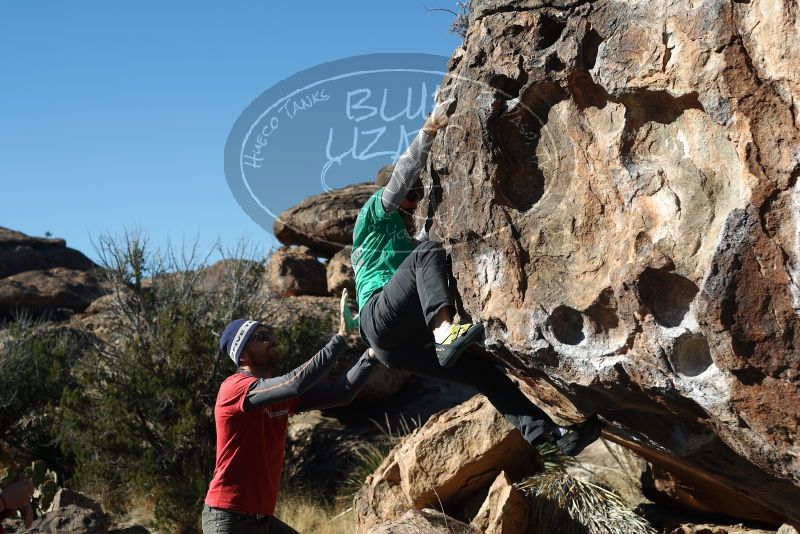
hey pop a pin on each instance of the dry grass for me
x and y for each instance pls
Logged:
(138, 510)
(304, 513)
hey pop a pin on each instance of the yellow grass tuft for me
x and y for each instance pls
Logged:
(304, 513)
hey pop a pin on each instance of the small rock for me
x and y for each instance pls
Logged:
(505, 510)
(614, 467)
(65, 497)
(71, 519)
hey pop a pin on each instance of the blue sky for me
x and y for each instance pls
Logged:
(115, 115)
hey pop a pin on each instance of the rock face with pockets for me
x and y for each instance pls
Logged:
(618, 189)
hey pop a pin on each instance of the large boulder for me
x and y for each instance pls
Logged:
(54, 289)
(221, 276)
(20, 253)
(444, 462)
(692, 494)
(340, 272)
(293, 271)
(323, 222)
(618, 190)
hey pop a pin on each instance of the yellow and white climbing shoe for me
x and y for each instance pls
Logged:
(460, 337)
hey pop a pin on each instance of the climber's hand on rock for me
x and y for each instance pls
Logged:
(17, 495)
(440, 116)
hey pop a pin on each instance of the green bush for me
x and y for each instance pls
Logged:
(139, 417)
(36, 364)
(302, 340)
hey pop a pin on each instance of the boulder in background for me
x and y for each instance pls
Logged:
(323, 222)
(293, 271)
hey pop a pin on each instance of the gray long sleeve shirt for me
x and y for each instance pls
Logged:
(303, 381)
(406, 171)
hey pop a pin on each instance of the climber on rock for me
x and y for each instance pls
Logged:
(251, 415)
(405, 308)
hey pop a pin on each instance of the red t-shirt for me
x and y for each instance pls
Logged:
(250, 448)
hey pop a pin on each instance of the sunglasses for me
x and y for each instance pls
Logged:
(414, 195)
(263, 336)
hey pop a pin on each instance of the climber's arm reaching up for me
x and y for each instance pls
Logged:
(342, 391)
(407, 169)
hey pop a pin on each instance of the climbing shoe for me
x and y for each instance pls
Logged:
(579, 436)
(460, 337)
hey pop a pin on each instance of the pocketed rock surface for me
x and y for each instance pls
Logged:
(618, 190)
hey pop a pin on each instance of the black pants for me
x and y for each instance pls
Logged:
(395, 323)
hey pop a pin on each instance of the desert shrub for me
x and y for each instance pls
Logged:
(139, 416)
(369, 455)
(562, 504)
(303, 339)
(460, 24)
(36, 364)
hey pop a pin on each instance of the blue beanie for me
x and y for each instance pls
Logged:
(235, 336)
